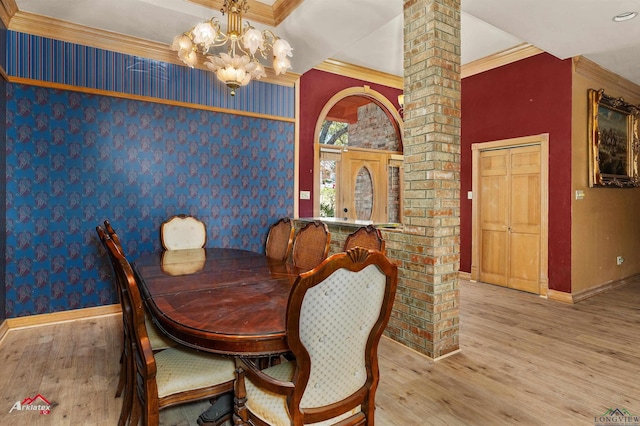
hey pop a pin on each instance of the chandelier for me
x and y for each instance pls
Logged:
(245, 44)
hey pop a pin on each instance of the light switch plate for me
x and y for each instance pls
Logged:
(305, 195)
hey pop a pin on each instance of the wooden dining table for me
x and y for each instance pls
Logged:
(220, 300)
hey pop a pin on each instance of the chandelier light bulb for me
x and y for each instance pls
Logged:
(239, 65)
(182, 42)
(204, 34)
(259, 71)
(281, 48)
(253, 40)
(189, 57)
(281, 65)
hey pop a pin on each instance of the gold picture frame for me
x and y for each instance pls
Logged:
(614, 145)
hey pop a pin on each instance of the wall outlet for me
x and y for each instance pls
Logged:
(619, 260)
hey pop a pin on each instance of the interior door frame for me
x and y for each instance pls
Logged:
(476, 149)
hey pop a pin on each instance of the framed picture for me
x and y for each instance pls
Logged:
(614, 146)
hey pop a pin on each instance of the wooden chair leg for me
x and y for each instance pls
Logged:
(151, 408)
(123, 376)
(136, 409)
(129, 390)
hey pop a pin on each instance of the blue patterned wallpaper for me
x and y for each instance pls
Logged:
(3, 165)
(73, 160)
(44, 59)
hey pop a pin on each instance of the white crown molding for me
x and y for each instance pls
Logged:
(365, 74)
(590, 69)
(507, 56)
(514, 54)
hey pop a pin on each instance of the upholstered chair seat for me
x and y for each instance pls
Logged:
(271, 407)
(181, 369)
(157, 339)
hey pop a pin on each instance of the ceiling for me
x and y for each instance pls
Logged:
(369, 33)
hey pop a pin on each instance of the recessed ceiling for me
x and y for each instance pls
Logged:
(369, 33)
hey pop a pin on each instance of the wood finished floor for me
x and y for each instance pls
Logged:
(524, 360)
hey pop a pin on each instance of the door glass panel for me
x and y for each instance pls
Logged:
(364, 194)
(327, 188)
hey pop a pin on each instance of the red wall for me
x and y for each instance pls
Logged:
(525, 98)
(316, 88)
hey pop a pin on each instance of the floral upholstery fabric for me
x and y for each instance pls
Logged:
(182, 369)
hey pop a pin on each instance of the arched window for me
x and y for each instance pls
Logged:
(358, 158)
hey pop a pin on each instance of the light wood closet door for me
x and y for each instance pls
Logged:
(510, 217)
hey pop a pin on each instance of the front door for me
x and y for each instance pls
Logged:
(363, 186)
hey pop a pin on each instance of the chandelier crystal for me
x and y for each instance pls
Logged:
(245, 44)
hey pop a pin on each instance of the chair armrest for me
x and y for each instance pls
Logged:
(263, 380)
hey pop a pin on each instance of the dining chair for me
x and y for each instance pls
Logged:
(336, 315)
(183, 232)
(173, 376)
(280, 239)
(112, 234)
(366, 237)
(157, 340)
(311, 245)
(125, 382)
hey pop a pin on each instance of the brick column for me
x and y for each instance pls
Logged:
(426, 315)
